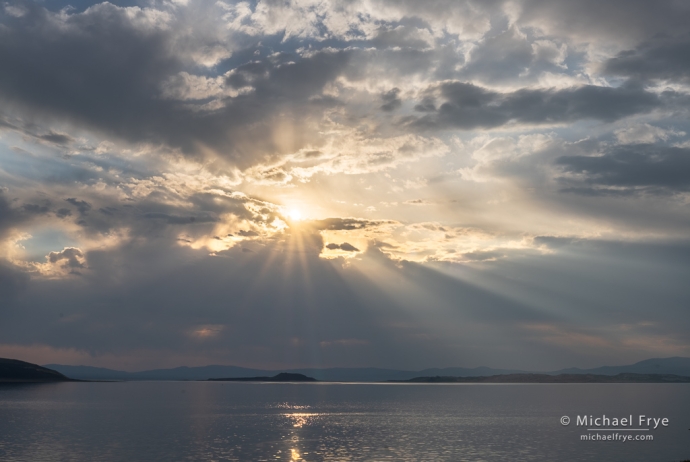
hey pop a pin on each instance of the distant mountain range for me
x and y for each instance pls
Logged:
(673, 366)
(560, 378)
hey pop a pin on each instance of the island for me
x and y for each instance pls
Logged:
(15, 371)
(282, 377)
(560, 378)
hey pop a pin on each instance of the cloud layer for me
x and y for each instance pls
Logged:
(325, 182)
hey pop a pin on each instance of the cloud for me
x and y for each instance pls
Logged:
(185, 86)
(391, 101)
(564, 336)
(402, 36)
(553, 242)
(662, 58)
(628, 169)
(13, 216)
(135, 281)
(483, 255)
(335, 224)
(73, 258)
(467, 106)
(77, 72)
(645, 134)
(621, 21)
(82, 206)
(348, 151)
(510, 56)
(454, 162)
(180, 220)
(12, 282)
(357, 20)
(416, 202)
(57, 138)
(344, 246)
(345, 342)
(35, 209)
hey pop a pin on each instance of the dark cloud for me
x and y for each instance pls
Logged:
(629, 169)
(391, 102)
(13, 215)
(399, 37)
(247, 74)
(138, 297)
(36, 209)
(298, 78)
(6, 125)
(344, 246)
(182, 220)
(57, 138)
(82, 206)
(12, 282)
(347, 223)
(159, 213)
(72, 258)
(665, 58)
(468, 106)
(63, 213)
(30, 129)
(108, 210)
(94, 67)
(105, 69)
(427, 104)
(592, 20)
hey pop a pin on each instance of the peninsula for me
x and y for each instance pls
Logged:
(15, 371)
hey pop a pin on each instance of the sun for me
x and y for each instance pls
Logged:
(294, 214)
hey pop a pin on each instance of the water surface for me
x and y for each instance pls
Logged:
(212, 421)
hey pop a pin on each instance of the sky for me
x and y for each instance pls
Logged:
(344, 183)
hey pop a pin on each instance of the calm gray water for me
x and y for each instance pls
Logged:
(199, 421)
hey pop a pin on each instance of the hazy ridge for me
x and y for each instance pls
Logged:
(674, 366)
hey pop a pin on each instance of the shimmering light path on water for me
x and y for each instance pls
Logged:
(191, 421)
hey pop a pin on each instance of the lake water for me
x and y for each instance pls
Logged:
(201, 421)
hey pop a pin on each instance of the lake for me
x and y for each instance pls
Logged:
(215, 421)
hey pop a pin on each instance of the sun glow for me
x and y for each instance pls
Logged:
(294, 214)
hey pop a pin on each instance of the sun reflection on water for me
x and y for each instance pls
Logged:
(290, 406)
(300, 419)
